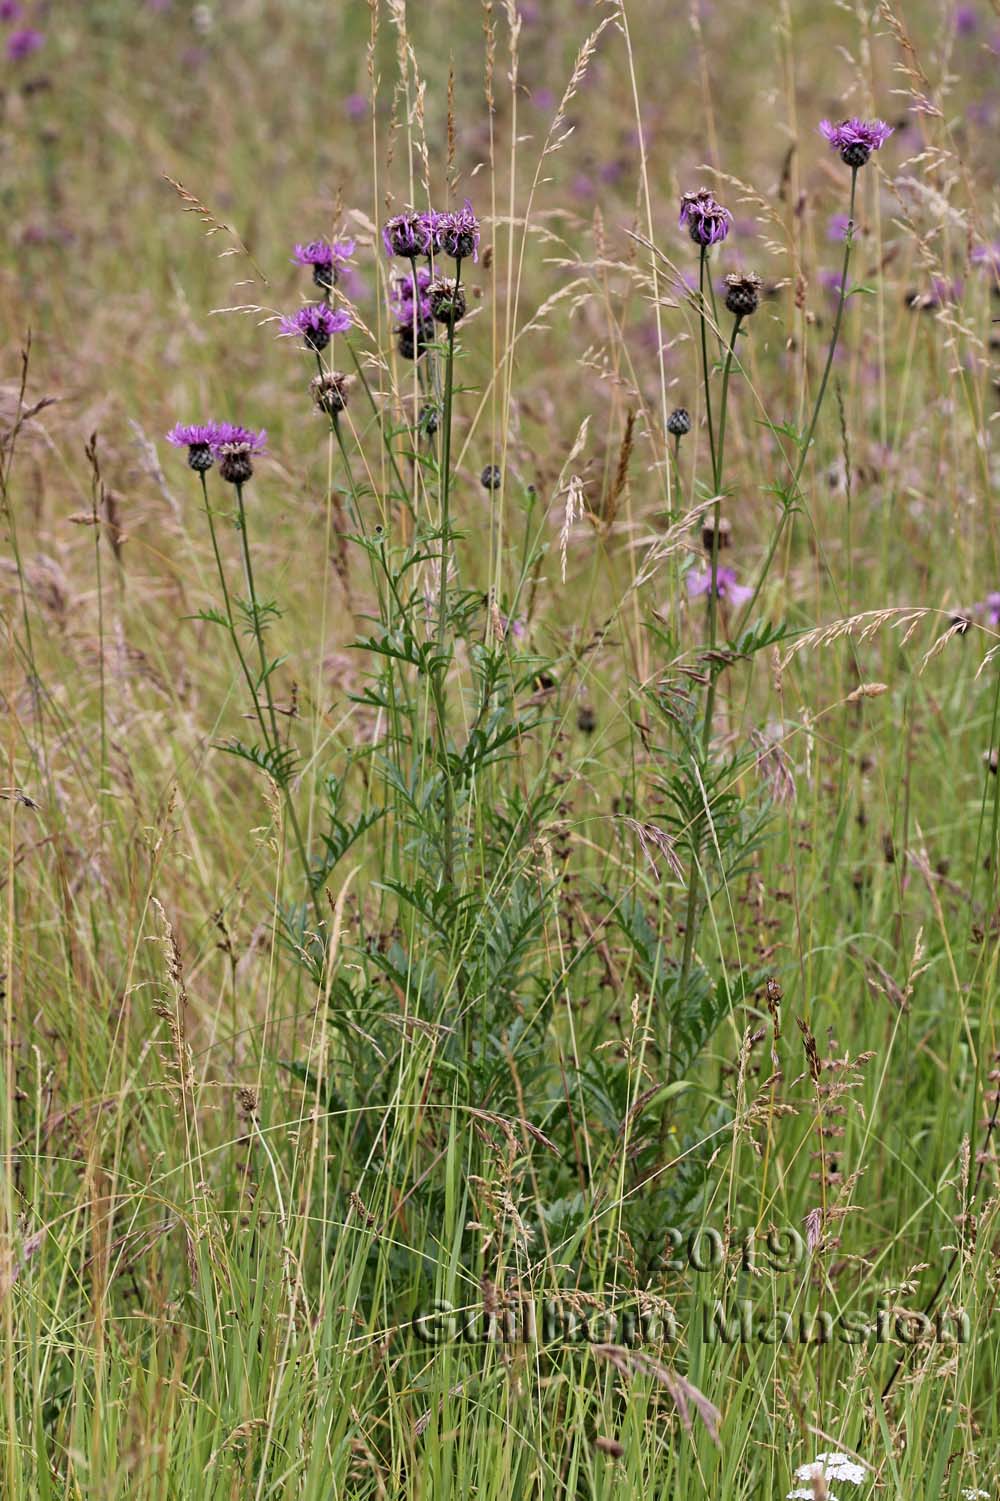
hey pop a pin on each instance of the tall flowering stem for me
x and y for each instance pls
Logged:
(446, 466)
(807, 442)
(713, 593)
(445, 482)
(718, 455)
(265, 682)
(703, 320)
(228, 606)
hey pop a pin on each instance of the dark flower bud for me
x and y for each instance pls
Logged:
(856, 154)
(490, 477)
(679, 422)
(586, 719)
(411, 342)
(200, 457)
(447, 301)
(234, 463)
(329, 391)
(429, 421)
(708, 532)
(743, 293)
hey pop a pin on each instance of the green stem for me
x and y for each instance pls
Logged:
(265, 681)
(804, 453)
(438, 684)
(713, 603)
(233, 633)
(704, 350)
(718, 455)
(386, 440)
(446, 468)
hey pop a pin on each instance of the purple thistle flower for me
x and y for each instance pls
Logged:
(991, 604)
(856, 139)
(10, 10)
(401, 295)
(236, 446)
(229, 434)
(355, 106)
(21, 44)
(208, 441)
(412, 342)
(987, 256)
(408, 235)
(325, 258)
(966, 20)
(837, 227)
(200, 440)
(726, 587)
(316, 324)
(706, 220)
(457, 233)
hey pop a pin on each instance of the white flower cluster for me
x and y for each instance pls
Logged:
(831, 1467)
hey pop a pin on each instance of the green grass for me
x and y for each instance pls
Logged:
(569, 989)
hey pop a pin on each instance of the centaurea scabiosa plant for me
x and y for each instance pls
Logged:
(455, 234)
(233, 449)
(854, 140)
(708, 224)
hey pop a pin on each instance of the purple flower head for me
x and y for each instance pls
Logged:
(856, 139)
(208, 441)
(991, 604)
(947, 289)
(316, 324)
(837, 227)
(707, 221)
(193, 434)
(401, 295)
(10, 10)
(830, 280)
(325, 258)
(235, 449)
(457, 234)
(200, 439)
(726, 586)
(987, 256)
(355, 106)
(232, 435)
(408, 235)
(21, 44)
(966, 20)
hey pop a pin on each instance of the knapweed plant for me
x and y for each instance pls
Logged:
(502, 876)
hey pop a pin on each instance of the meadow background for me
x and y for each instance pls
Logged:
(563, 979)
